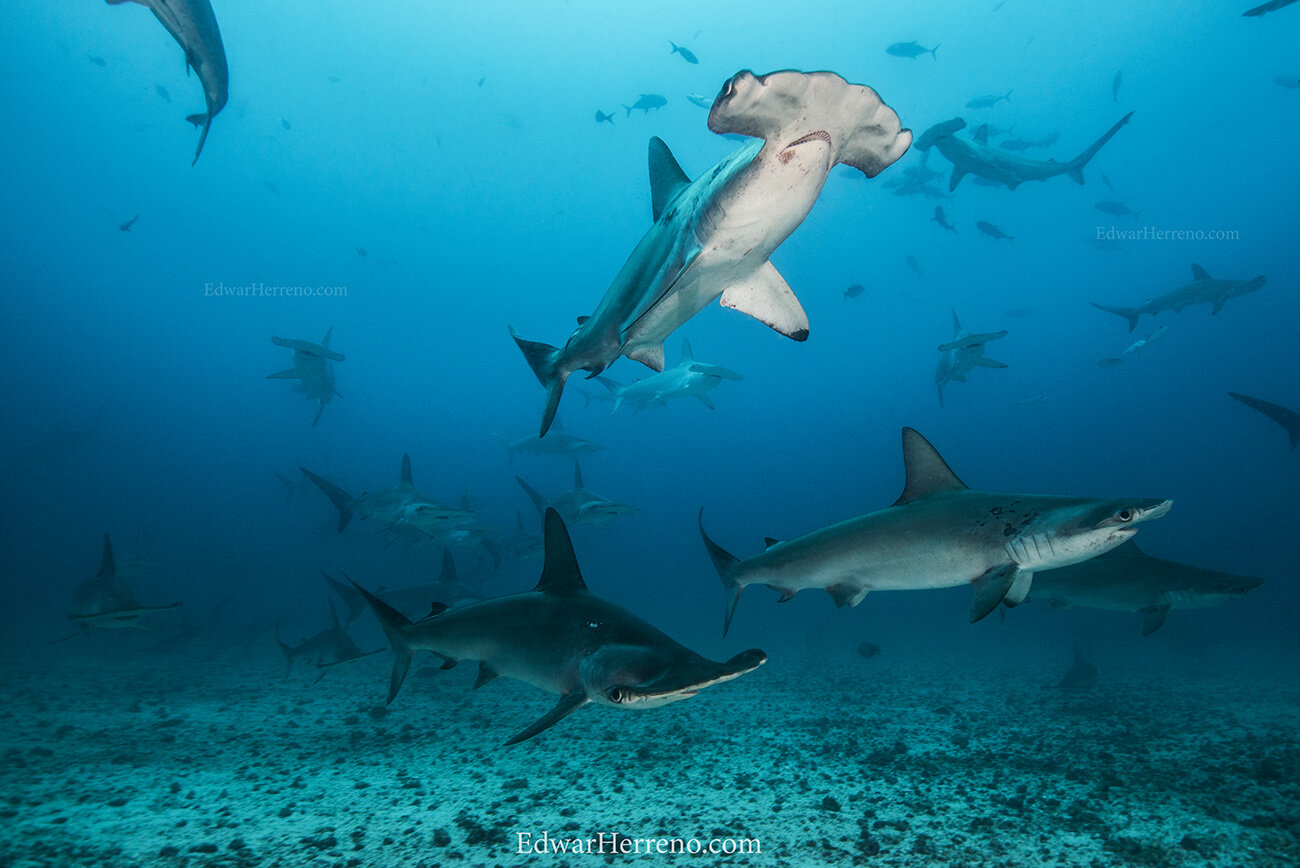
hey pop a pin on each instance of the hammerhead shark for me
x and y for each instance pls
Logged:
(963, 354)
(976, 157)
(580, 504)
(561, 638)
(713, 236)
(327, 648)
(938, 534)
(1202, 290)
(105, 602)
(1288, 419)
(193, 25)
(312, 368)
(688, 379)
(1126, 579)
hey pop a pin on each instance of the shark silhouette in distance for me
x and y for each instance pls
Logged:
(325, 649)
(578, 505)
(106, 602)
(1202, 290)
(713, 236)
(977, 157)
(313, 369)
(448, 590)
(688, 379)
(1126, 579)
(1288, 419)
(561, 638)
(963, 354)
(560, 443)
(938, 534)
(193, 25)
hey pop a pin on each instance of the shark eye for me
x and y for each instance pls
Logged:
(727, 88)
(1126, 515)
(616, 694)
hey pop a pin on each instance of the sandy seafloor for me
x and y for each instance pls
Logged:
(881, 762)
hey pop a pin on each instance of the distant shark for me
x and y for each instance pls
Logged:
(581, 504)
(1128, 580)
(561, 638)
(976, 157)
(938, 534)
(313, 369)
(447, 590)
(1288, 419)
(712, 237)
(561, 443)
(1202, 290)
(193, 25)
(688, 379)
(105, 602)
(963, 354)
(325, 649)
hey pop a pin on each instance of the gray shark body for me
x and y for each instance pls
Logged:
(963, 354)
(1202, 290)
(325, 649)
(939, 534)
(106, 602)
(578, 505)
(712, 237)
(1288, 419)
(561, 638)
(1128, 580)
(313, 368)
(976, 157)
(687, 379)
(560, 443)
(193, 25)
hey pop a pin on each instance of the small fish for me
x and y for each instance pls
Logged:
(162, 92)
(913, 264)
(1106, 181)
(481, 80)
(686, 53)
(1035, 399)
(989, 100)
(1019, 312)
(942, 219)
(1266, 8)
(911, 50)
(1114, 86)
(361, 251)
(602, 118)
(284, 123)
(867, 650)
(1288, 81)
(1119, 209)
(334, 79)
(274, 189)
(1109, 362)
(646, 102)
(97, 60)
(126, 227)
(854, 291)
(992, 231)
(700, 100)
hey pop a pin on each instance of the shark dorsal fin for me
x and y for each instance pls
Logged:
(956, 323)
(406, 471)
(982, 134)
(1199, 273)
(325, 341)
(770, 541)
(666, 177)
(582, 320)
(448, 573)
(560, 575)
(106, 568)
(927, 472)
(577, 476)
(687, 357)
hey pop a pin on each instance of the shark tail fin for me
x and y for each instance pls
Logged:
(615, 389)
(1075, 170)
(541, 358)
(1129, 313)
(394, 624)
(934, 52)
(342, 501)
(724, 562)
(206, 120)
(534, 495)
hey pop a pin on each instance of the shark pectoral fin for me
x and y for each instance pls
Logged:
(957, 175)
(650, 356)
(485, 674)
(705, 400)
(1019, 589)
(985, 362)
(768, 298)
(846, 595)
(1153, 617)
(990, 588)
(569, 703)
(447, 662)
(286, 374)
(1218, 305)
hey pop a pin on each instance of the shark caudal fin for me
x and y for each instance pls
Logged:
(615, 390)
(343, 502)
(394, 625)
(534, 495)
(1075, 166)
(1129, 313)
(724, 562)
(541, 358)
(196, 119)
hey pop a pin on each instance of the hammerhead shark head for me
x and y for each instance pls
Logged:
(561, 638)
(688, 379)
(963, 354)
(1126, 579)
(193, 25)
(1202, 290)
(976, 157)
(105, 602)
(312, 368)
(580, 504)
(938, 534)
(712, 237)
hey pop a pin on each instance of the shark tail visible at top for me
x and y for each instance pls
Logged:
(1075, 166)
(342, 501)
(724, 562)
(394, 624)
(1129, 313)
(541, 358)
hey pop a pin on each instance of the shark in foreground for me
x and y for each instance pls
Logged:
(105, 602)
(688, 379)
(1126, 579)
(580, 504)
(561, 638)
(193, 25)
(1288, 419)
(1202, 290)
(976, 157)
(313, 368)
(938, 534)
(963, 354)
(712, 236)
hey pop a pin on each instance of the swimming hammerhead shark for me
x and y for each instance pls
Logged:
(712, 236)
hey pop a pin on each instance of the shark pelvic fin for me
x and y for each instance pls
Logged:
(724, 562)
(569, 703)
(1153, 618)
(1019, 589)
(846, 595)
(927, 473)
(768, 298)
(485, 674)
(650, 356)
(560, 574)
(666, 177)
(990, 589)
